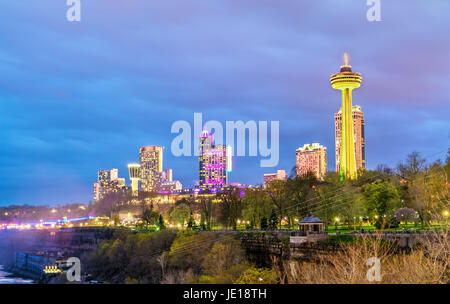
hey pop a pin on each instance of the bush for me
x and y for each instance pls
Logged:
(257, 276)
(338, 239)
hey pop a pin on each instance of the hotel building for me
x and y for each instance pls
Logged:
(108, 181)
(268, 178)
(311, 158)
(358, 129)
(214, 163)
(151, 164)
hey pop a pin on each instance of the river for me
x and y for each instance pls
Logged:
(6, 278)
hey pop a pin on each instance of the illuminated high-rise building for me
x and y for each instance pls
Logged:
(151, 161)
(135, 175)
(311, 158)
(214, 162)
(96, 192)
(270, 177)
(107, 175)
(108, 182)
(346, 81)
(167, 175)
(358, 129)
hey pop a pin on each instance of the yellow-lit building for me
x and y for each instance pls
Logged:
(151, 167)
(358, 129)
(346, 81)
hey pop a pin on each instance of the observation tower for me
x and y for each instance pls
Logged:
(346, 81)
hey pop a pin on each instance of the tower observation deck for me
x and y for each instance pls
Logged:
(346, 81)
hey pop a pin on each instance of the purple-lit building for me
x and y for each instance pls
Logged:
(214, 163)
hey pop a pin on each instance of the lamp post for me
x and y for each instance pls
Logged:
(445, 213)
(336, 221)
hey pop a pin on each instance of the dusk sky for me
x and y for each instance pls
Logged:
(76, 97)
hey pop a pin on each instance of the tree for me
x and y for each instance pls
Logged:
(161, 224)
(381, 200)
(405, 214)
(256, 205)
(191, 223)
(301, 198)
(189, 249)
(273, 220)
(428, 192)
(264, 224)
(206, 213)
(258, 276)
(224, 263)
(231, 207)
(413, 165)
(276, 190)
(180, 214)
(149, 217)
(223, 255)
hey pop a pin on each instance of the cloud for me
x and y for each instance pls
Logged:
(77, 97)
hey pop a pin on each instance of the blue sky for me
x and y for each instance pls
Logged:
(77, 97)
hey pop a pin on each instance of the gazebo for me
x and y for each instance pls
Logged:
(311, 223)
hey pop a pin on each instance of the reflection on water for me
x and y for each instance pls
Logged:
(4, 279)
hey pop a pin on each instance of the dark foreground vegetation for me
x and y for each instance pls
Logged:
(169, 257)
(211, 258)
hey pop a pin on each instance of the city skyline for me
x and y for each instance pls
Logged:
(90, 101)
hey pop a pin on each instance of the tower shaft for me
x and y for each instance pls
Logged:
(348, 159)
(134, 186)
(345, 81)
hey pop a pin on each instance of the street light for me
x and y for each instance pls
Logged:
(336, 221)
(445, 213)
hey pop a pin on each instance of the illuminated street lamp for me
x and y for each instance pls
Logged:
(445, 213)
(336, 221)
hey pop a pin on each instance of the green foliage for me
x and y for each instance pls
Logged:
(264, 224)
(180, 214)
(189, 249)
(381, 199)
(228, 276)
(256, 207)
(161, 224)
(230, 207)
(224, 263)
(224, 254)
(338, 239)
(257, 276)
(129, 257)
(149, 217)
(273, 220)
(129, 280)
